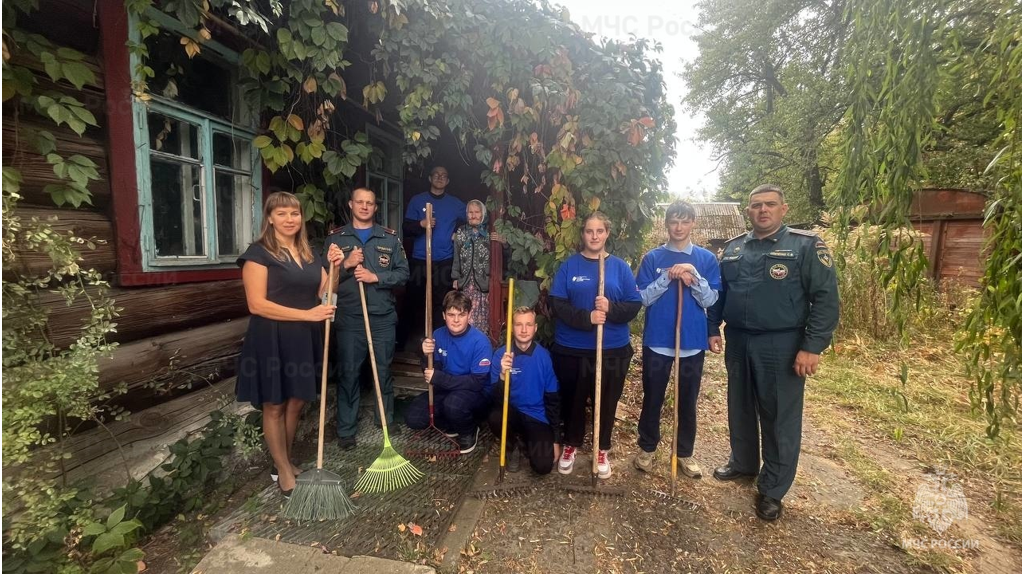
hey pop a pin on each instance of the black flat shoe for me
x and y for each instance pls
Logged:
(287, 494)
(727, 473)
(768, 508)
(347, 442)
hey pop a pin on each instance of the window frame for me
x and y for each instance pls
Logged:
(208, 125)
(383, 208)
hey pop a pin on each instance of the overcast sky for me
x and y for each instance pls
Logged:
(672, 24)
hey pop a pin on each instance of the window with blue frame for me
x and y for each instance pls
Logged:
(198, 172)
(384, 171)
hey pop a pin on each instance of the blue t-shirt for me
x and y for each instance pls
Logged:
(660, 319)
(532, 375)
(363, 234)
(576, 280)
(449, 212)
(465, 354)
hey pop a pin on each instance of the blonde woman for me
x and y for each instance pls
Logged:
(279, 365)
(471, 270)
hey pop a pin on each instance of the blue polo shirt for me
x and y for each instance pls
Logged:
(660, 319)
(576, 280)
(532, 375)
(449, 212)
(460, 355)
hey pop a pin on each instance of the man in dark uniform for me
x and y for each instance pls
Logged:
(374, 257)
(780, 303)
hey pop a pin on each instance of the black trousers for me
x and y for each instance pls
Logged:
(454, 411)
(537, 438)
(414, 305)
(765, 391)
(657, 378)
(576, 384)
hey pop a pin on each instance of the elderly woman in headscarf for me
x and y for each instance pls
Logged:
(471, 269)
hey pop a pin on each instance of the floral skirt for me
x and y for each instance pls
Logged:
(478, 316)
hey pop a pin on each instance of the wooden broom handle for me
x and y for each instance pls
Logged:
(323, 372)
(429, 323)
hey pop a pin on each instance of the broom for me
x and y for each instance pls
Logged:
(598, 363)
(319, 494)
(390, 471)
(432, 434)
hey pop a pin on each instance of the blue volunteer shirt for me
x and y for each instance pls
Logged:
(461, 362)
(661, 298)
(449, 212)
(576, 280)
(532, 375)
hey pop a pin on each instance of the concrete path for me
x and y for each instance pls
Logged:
(232, 555)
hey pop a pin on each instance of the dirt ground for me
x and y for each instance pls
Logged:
(828, 525)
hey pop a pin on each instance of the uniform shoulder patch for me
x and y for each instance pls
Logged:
(335, 230)
(730, 240)
(804, 232)
(389, 231)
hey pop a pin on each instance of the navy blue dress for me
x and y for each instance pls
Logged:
(282, 359)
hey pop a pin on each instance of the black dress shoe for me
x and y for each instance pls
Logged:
(347, 442)
(768, 508)
(727, 472)
(394, 429)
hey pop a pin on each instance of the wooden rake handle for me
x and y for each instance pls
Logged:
(675, 380)
(323, 372)
(429, 315)
(598, 363)
(373, 362)
(507, 376)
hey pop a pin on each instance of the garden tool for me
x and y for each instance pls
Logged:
(320, 494)
(434, 442)
(391, 471)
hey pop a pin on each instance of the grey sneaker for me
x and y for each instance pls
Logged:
(689, 466)
(512, 460)
(644, 461)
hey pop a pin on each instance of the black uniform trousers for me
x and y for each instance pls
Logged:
(764, 388)
(414, 305)
(575, 373)
(537, 437)
(657, 378)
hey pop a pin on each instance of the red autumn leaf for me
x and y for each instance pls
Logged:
(415, 529)
(568, 212)
(647, 122)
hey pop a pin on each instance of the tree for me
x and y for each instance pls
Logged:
(769, 81)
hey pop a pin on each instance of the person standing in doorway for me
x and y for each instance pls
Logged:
(471, 271)
(449, 211)
(780, 303)
(679, 260)
(373, 256)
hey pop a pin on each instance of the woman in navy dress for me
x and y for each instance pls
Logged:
(578, 311)
(281, 358)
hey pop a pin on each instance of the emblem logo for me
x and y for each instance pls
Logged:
(384, 260)
(779, 271)
(940, 502)
(824, 257)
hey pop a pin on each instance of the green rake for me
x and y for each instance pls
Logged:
(319, 494)
(391, 471)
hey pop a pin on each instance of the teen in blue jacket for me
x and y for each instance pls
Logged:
(578, 310)
(461, 376)
(533, 417)
(679, 260)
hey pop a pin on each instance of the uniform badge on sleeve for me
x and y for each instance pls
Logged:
(779, 271)
(384, 259)
(825, 257)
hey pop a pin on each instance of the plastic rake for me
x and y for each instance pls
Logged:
(391, 471)
(320, 494)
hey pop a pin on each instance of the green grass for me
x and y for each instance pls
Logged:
(927, 417)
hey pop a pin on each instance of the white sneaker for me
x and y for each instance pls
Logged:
(568, 459)
(604, 466)
(689, 466)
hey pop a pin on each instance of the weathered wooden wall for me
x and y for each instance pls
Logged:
(954, 236)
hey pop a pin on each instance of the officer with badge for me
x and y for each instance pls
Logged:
(373, 255)
(780, 304)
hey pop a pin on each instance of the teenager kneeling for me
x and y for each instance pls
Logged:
(533, 417)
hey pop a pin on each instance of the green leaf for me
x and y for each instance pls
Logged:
(84, 115)
(262, 141)
(93, 529)
(116, 516)
(106, 541)
(337, 31)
